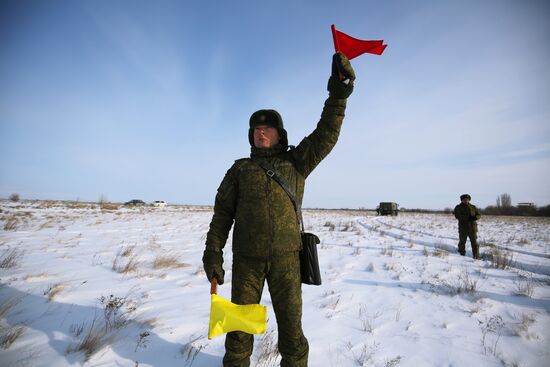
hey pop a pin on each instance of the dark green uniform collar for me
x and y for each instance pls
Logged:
(266, 152)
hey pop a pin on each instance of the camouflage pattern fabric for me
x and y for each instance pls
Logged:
(266, 230)
(266, 234)
(264, 217)
(467, 215)
(283, 279)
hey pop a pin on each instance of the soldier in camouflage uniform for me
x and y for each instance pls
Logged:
(266, 236)
(467, 215)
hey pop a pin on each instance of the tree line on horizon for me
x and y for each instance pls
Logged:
(503, 206)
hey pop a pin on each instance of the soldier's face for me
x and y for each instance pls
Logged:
(465, 201)
(265, 136)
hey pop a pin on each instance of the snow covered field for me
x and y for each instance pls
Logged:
(81, 285)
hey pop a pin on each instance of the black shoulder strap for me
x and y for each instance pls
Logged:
(275, 175)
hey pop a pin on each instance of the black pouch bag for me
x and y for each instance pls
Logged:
(309, 260)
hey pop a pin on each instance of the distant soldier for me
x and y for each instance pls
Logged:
(467, 215)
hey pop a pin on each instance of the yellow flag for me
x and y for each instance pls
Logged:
(226, 316)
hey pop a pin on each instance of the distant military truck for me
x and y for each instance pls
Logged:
(387, 208)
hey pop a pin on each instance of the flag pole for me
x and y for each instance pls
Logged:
(214, 286)
(334, 38)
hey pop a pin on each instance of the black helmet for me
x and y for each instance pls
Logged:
(465, 196)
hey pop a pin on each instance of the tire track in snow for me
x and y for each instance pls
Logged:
(533, 268)
(416, 232)
(402, 237)
(519, 251)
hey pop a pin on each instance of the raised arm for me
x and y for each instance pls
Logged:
(315, 147)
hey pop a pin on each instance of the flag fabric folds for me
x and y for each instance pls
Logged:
(226, 316)
(353, 47)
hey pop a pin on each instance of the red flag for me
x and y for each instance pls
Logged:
(353, 47)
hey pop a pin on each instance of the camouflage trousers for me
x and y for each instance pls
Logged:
(283, 279)
(463, 234)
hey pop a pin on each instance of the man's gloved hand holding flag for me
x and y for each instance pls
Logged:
(226, 316)
(340, 84)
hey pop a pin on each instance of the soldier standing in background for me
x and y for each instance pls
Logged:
(467, 215)
(266, 236)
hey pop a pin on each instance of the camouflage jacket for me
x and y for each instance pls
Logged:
(263, 214)
(467, 215)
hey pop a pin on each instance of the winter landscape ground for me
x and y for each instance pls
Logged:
(87, 285)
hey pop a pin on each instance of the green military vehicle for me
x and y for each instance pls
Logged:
(387, 208)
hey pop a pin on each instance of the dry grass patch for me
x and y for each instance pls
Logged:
(8, 304)
(53, 290)
(523, 241)
(491, 331)
(10, 258)
(9, 335)
(129, 267)
(331, 226)
(192, 348)
(367, 320)
(93, 339)
(498, 258)
(440, 252)
(364, 356)
(101, 331)
(10, 223)
(77, 205)
(521, 328)
(388, 251)
(525, 286)
(125, 261)
(47, 224)
(462, 284)
(109, 207)
(46, 204)
(168, 261)
(127, 251)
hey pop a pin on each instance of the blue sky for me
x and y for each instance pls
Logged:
(151, 99)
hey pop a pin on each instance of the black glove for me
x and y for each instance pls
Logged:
(341, 67)
(212, 262)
